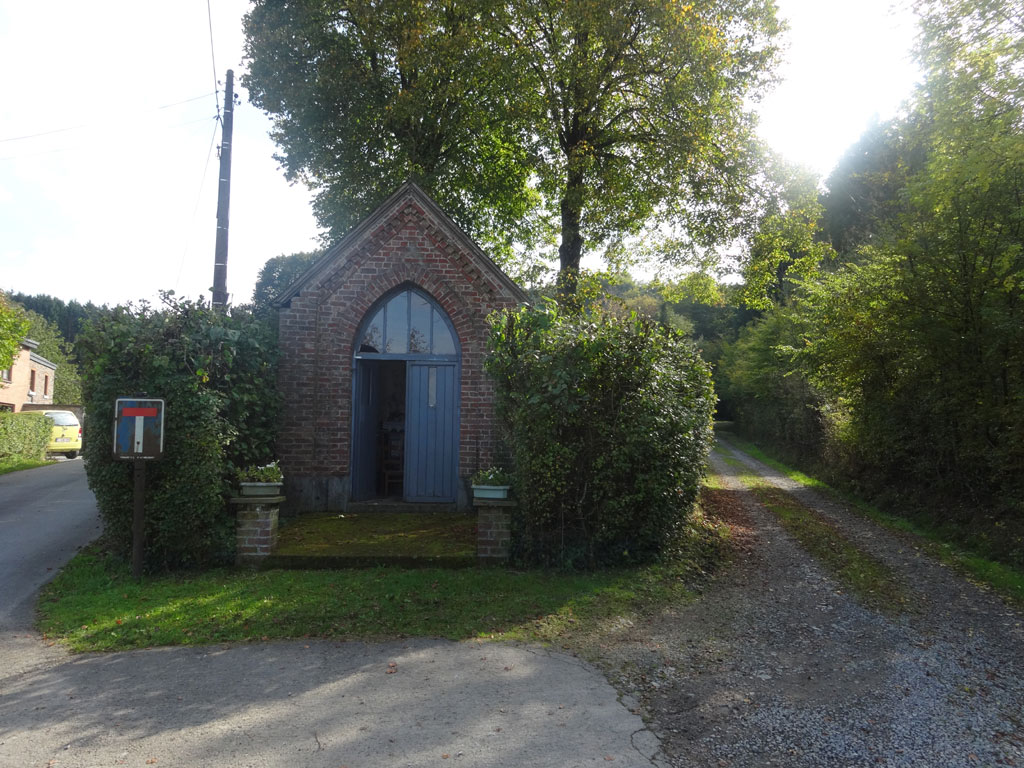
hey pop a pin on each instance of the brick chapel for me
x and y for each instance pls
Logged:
(383, 341)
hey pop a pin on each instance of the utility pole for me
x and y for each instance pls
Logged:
(220, 256)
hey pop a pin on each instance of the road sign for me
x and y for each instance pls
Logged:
(138, 428)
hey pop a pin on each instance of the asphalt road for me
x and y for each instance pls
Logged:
(422, 702)
(46, 515)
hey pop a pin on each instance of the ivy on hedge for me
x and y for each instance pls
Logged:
(609, 422)
(217, 374)
(24, 434)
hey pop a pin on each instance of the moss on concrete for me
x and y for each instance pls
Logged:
(379, 534)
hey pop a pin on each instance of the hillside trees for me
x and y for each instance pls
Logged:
(67, 384)
(67, 316)
(588, 119)
(914, 345)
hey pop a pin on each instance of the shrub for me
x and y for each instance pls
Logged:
(216, 373)
(609, 421)
(24, 434)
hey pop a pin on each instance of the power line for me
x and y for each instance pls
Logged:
(91, 147)
(88, 125)
(213, 59)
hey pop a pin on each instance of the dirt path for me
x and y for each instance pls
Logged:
(777, 665)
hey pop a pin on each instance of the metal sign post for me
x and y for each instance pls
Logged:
(139, 436)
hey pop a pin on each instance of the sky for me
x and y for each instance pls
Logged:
(108, 163)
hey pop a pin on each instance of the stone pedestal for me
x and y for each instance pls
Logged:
(494, 530)
(256, 527)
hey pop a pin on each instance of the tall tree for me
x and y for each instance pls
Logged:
(369, 93)
(639, 111)
(585, 118)
(12, 330)
(786, 245)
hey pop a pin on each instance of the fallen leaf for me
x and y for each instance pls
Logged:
(445, 756)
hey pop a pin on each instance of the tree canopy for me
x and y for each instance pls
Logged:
(279, 273)
(584, 120)
(12, 330)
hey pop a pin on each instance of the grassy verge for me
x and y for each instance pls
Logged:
(93, 605)
(869, 580)
(17, 463)
(1004, 579)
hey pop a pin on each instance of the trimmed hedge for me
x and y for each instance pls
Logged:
(24, 434)
(609, 422)
(216, 373)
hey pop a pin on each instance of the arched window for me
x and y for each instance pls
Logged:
(408, 324)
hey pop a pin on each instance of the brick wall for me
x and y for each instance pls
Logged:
(407, 243)
(14, 393)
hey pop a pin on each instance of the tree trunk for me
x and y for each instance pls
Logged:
(570, 250)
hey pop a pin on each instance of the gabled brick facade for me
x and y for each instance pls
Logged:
(410, 242)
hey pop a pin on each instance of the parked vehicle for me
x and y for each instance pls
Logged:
(66, 436)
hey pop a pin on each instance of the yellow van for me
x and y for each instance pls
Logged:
(66, 436)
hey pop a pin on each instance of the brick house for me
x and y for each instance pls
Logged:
(383, 341)
(28, 381)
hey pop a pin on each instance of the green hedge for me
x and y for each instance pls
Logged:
(24, 434)
(216, 374)
(609, 422)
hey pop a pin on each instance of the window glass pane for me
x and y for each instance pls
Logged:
(419, 324)
(396, 334)
(444, 344)
(62, 418)
(374, 337)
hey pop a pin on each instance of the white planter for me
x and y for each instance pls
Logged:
(260, 489)
(490, 491)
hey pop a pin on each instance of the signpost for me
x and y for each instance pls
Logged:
(139, 436)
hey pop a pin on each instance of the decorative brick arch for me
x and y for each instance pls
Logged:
(407, 241)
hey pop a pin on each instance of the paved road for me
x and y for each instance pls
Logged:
(46, 515)
(422, 702)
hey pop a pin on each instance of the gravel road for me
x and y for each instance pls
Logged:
(777, 665)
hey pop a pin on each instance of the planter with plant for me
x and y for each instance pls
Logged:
(266, 480)
(491, 483)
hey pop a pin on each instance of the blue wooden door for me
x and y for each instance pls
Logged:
(364, 430)
(431, 431)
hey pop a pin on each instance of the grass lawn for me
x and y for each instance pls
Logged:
(93, 604)
(16, 463)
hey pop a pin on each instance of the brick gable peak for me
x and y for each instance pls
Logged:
(409, 203)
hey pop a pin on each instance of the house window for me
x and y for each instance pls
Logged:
(46, 385)
(32, 381)
(5, 374)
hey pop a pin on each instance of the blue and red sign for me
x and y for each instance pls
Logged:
(138, 428)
